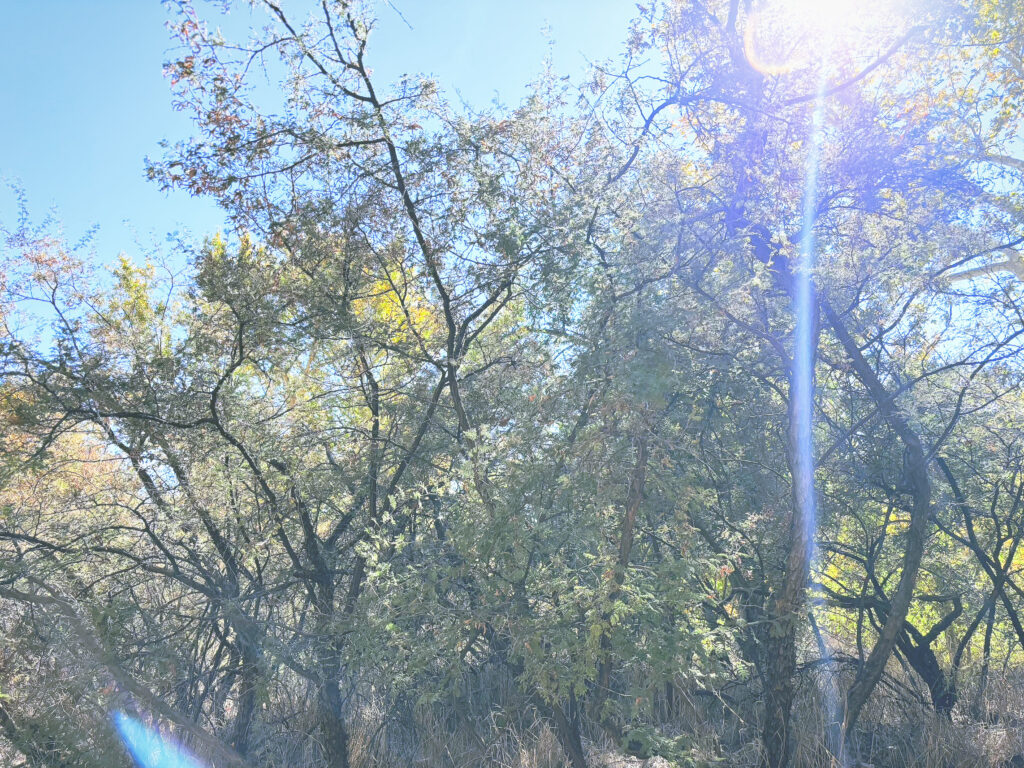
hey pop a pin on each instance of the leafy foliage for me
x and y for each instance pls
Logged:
(477, 414)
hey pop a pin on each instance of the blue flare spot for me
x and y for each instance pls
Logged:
(148, 747)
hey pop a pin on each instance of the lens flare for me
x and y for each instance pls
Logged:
(803, 380)
(782, 36)
(148, 747)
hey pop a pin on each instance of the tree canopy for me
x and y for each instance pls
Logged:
(672, 413)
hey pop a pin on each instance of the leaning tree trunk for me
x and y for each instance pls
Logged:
(567, 730)
(921, 491)
(941, 687)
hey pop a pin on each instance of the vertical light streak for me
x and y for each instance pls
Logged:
(148, 747)
(804, 305)
(804, 344)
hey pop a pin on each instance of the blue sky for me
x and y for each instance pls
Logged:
(84, 98)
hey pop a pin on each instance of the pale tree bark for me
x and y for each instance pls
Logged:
(788, 604)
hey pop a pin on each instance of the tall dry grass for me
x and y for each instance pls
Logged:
(490, 724)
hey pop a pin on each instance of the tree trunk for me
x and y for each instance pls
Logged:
(567, 729)
(634, 498)
(247, 694)
(780, 648)
(941, 688)
(921, 491)
(333, 731)
(787, 607)
(978, 707)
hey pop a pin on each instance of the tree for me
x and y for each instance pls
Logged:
(741, 120)
(525, 400)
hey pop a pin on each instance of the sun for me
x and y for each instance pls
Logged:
(828, 16)
(782, 36)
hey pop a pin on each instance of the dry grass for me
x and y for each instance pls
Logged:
(898, 730)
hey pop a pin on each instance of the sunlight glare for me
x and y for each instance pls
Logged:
(782, 36)
(149, 747)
